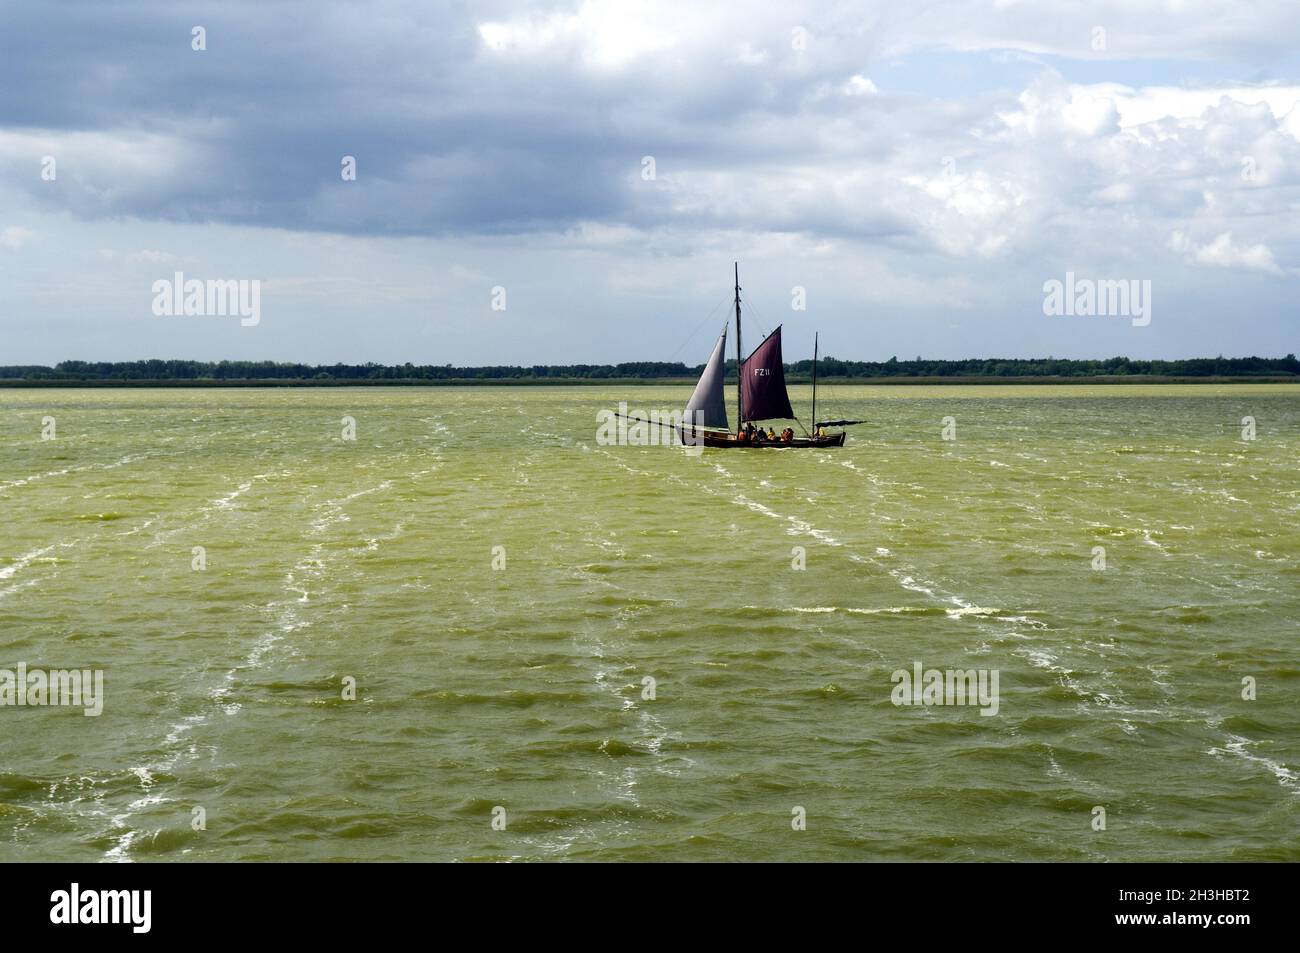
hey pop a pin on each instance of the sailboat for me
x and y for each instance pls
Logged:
(760, 395)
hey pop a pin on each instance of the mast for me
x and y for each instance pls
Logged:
(814, 409)
(740, 398)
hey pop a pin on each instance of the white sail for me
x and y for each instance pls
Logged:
(707, 400)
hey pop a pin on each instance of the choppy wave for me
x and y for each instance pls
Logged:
(523, 688)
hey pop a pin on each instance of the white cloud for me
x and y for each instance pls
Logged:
(971, 214)
(1050, 106)
(1151, 29)
(98, 172)
(860, 86)
(1151, 103)
(1091, 115)
(605, 33)
(148, 256)
(15, 237)
(747, 55)
(1224, 253)
(1116, 194)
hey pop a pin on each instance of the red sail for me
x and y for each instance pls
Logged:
(762, 382)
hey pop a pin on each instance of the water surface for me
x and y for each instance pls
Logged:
(523, 687)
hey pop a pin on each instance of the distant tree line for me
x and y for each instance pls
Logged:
(1051, 367)
(827, 367)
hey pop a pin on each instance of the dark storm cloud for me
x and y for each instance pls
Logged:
(497, 118)
(449, 136)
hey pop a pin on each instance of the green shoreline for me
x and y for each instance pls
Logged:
(1079, 381)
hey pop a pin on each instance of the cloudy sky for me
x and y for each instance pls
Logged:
(920, 169)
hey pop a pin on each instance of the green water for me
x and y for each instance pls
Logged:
(523, 687)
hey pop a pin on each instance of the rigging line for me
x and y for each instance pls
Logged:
(698, 326)
(747, 303)
(755, 311)
(674, 426)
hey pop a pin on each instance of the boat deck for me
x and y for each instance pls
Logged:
(723, 441)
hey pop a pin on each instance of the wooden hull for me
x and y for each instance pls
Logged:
(729, 442)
